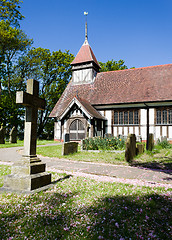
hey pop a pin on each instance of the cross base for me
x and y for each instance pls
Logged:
(27, 176)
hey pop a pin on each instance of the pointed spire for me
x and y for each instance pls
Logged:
(86, 29)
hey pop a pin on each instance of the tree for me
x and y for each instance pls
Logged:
(53, 71)
(13, 42)
(112, 66)
(9, 11)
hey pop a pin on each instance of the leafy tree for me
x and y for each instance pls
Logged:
(10, 12)
(112, 66)
(53, 71)
(13, 42)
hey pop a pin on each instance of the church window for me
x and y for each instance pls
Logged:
(130, 117)
(115, 117)
(136, 117)
(121, 117)
(170, 116)
(127, 117)
(163, 116)
(158, 117)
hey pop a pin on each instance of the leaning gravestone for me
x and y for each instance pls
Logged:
(13, 135)
(2, 135)
(28, 174)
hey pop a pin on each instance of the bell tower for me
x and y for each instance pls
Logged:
(85, 65)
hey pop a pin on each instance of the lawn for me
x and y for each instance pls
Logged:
(103, 156)
(21, 143)
(158, 158)
(82, 208)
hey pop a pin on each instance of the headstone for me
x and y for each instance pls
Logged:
(130, 151)
(151, 142)
(139, 149)
(69, 147)
(2, 135)
(67, 138)
(28, 174)
(13, 135)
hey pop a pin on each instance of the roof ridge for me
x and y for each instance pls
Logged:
(132, 69)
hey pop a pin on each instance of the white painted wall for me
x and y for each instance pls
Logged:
(57, 130)
(108, 115)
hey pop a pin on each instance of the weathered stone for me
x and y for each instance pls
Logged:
(151, 142)
(67, 137)
(70, 147)
(130, 151)
(139, 149)
(28, 174)
(13, 135)
(2, 135)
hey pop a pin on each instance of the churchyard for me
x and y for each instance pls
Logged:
(82, 208)
(78, 207)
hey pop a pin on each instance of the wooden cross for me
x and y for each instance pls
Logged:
(31, 100)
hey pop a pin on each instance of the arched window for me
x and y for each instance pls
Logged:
(77, 130)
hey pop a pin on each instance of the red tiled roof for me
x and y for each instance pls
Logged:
(84, 55)
(148, 84)
(86, 105)
(90, 109)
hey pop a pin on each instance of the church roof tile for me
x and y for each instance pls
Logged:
(84, 55)
(148, 84)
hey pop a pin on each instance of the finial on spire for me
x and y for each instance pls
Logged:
(86, 32)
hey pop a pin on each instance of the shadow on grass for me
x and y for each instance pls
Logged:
(51, 215)
(129, 218)
(61, 179)
(163, 164)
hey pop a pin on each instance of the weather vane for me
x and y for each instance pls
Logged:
(86, 35)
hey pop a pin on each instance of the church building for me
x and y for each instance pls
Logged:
(120, 102)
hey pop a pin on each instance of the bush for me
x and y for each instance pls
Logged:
(100, 143)
(164, 144)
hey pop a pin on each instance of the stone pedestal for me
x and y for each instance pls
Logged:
(27, 176)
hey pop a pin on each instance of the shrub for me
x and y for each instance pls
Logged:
(100, 143)
(164, 144)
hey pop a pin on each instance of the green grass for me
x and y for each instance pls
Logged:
(103, 157)
(159, 158)
(4, 170)
(21, 143)
(81, 208)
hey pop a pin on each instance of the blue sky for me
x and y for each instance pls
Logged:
(137, 31)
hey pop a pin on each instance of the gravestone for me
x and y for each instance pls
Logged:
(151, 142)
(130, 151)
(13, 135)
(139, 149)
(2, 135)
(69, 147)
(67, 137)
(28, 175)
